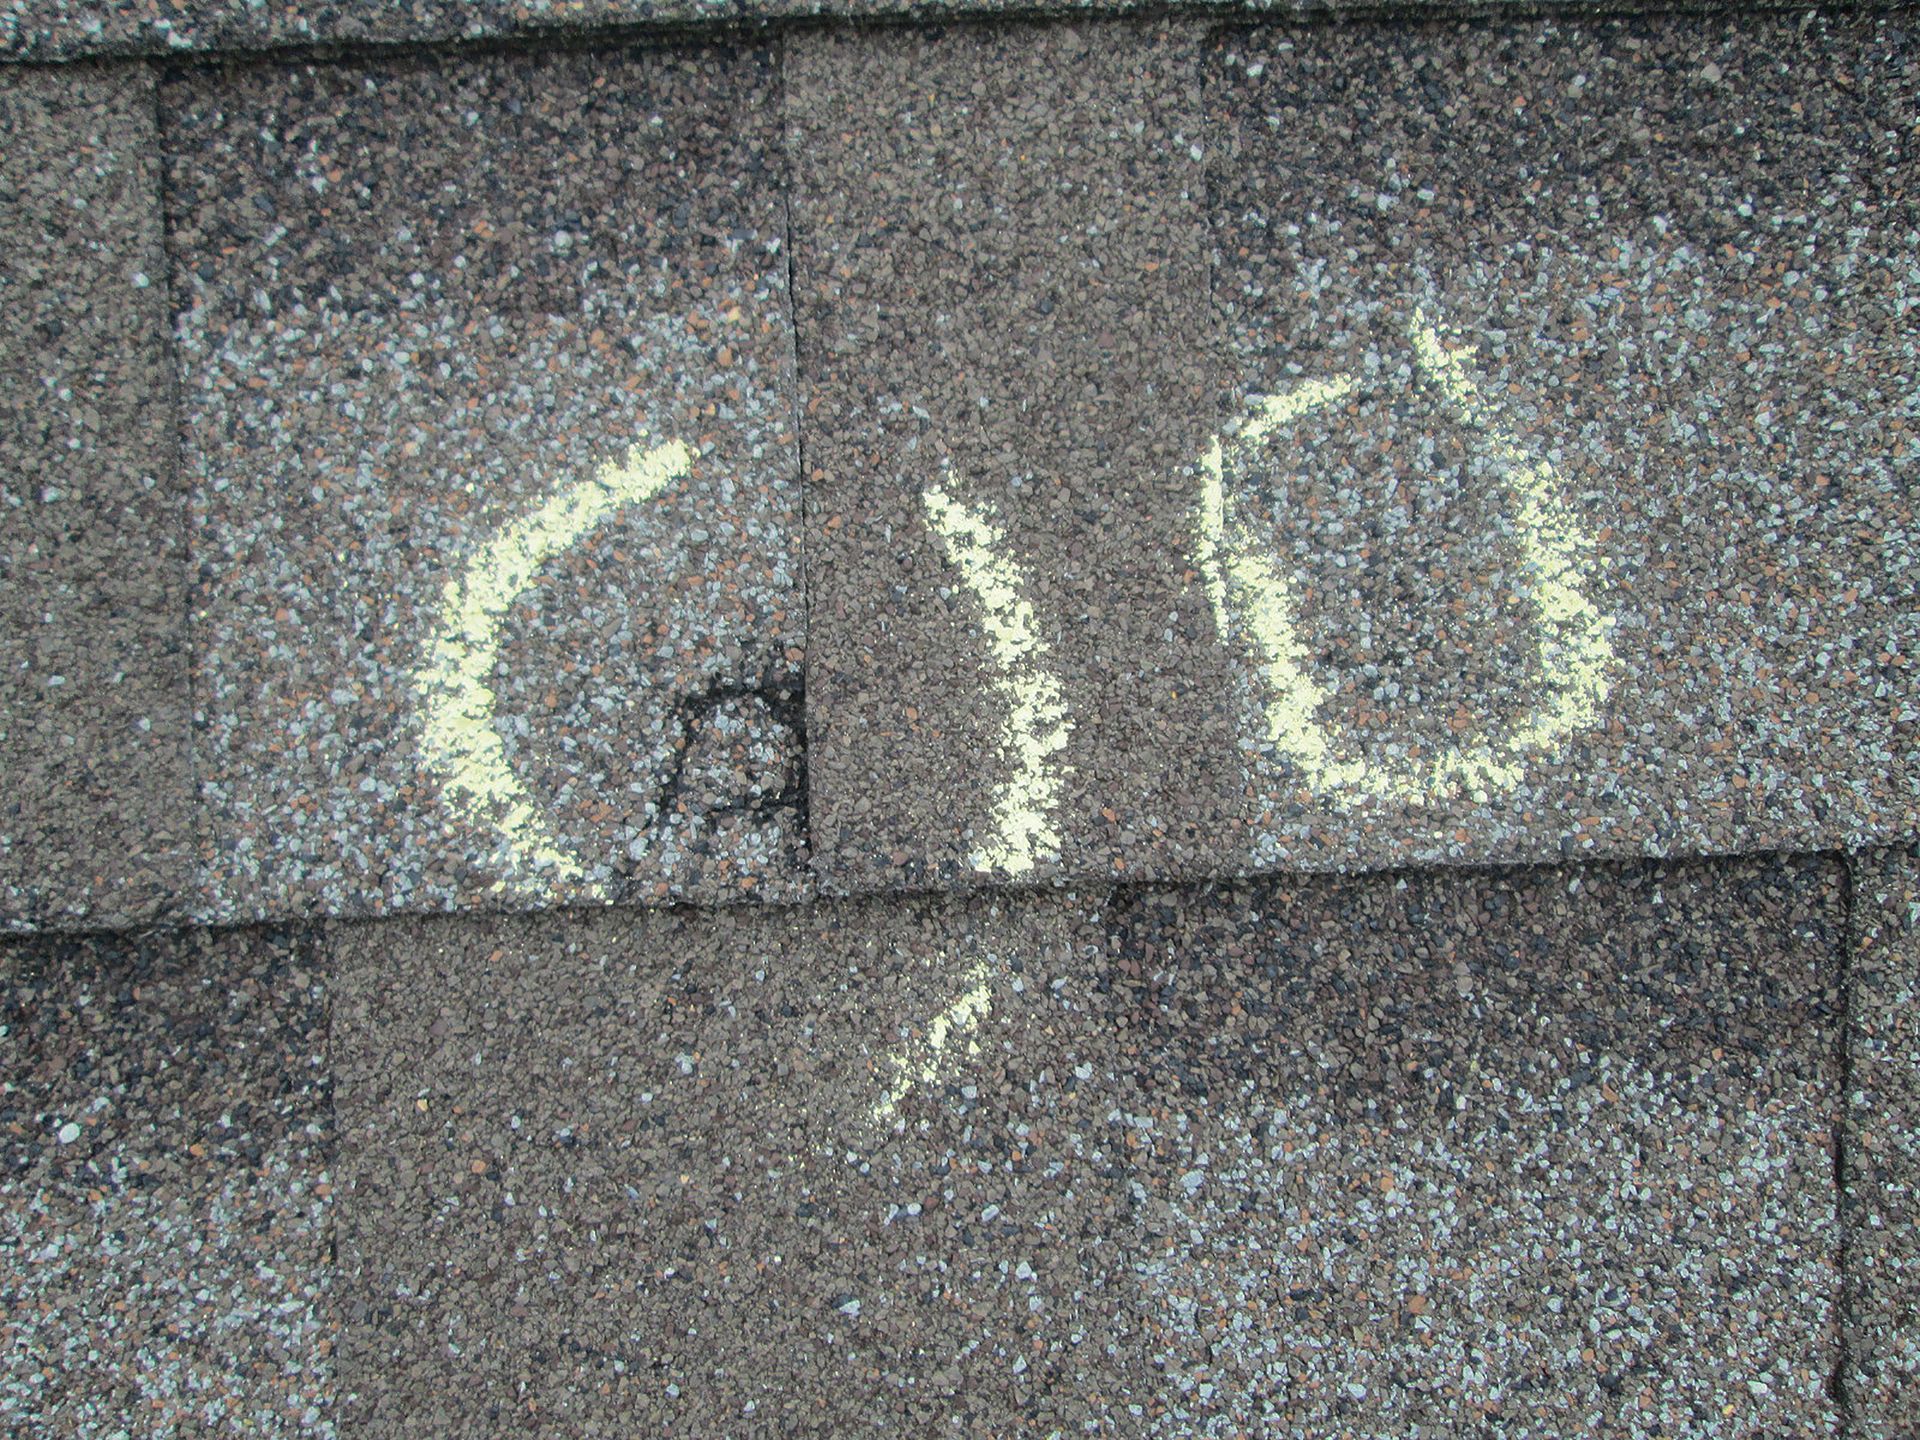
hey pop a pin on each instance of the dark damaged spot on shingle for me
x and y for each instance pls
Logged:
(1633, 967)
(744, 750)
(711, 764)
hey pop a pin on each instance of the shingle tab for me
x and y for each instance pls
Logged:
(1009, 370)
(1535, 1153)
(95, 824)
(1583, 519)
(637, 1173)
(485, 373)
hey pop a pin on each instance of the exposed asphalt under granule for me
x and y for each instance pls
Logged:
(1881, 1159)
(164, 1187)
(484, 386)
(1001, 300)
(1545, 1153)
(94, 824)
(1582, 520)
(1539, 1154)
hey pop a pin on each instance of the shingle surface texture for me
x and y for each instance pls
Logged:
(1881, 1159)
(421, 305)
(1142, 723)
(96, 823)
(1686, 323)
(56, 29)
(1548, 1150)
(987, 224)
(165, 1191)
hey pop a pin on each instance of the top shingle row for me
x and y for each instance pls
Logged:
(917, 459)
(43, 30)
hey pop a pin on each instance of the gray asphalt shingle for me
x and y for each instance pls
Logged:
(165, 1220)
(95, 825)
(1548, 1150)
(1620, 490)
(638, 1172)
(1562, 504)
(485, 377)
(1010, 674)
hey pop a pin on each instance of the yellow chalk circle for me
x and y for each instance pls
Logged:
(1252, 598)
(459, 735)
(1037, 725)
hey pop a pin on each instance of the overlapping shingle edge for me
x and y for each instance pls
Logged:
(46, 31)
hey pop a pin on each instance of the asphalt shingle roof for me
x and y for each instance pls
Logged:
(674, 702)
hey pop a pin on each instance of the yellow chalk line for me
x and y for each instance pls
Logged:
(1575, 652)
(459, 734)
(1553, 547)
(957, 1019)
(1036, 730)
(1037, 723)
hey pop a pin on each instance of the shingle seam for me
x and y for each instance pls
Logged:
(797, 410)
(1846, 1302)
(1104, 894)
(192, 906)
(182, 907)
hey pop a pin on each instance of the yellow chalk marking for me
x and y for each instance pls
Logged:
(1251, 596)
(460, 738)
(1036, 731)
(920, 1064)
(1037, 724)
